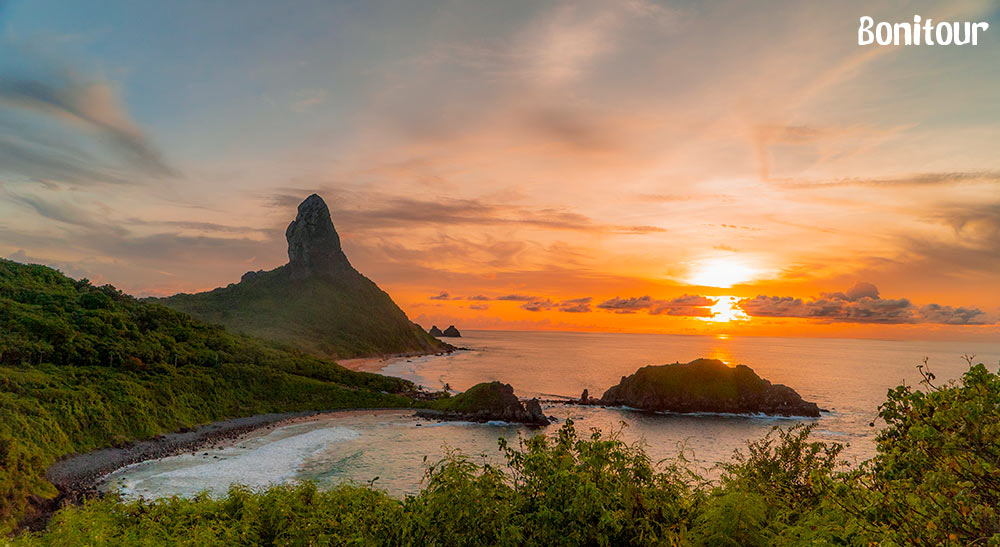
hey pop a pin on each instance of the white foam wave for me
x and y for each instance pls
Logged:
(270, 463)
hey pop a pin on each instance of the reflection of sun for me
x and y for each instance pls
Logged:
(726, 310)
(722, 354)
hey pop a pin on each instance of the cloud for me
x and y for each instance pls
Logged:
(88, 103)
(972, 248)
(908, 180)
(441, 296)
(516, 297)
(60, 125)
(574, 305)
(687, 305)
(947, 315)
(388, 211)
(860, 304)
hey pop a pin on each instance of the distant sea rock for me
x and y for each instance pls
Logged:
(452, 332)
(435, 331)
(485, 402)
(706, 385)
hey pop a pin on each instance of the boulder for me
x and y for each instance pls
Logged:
(706, 385)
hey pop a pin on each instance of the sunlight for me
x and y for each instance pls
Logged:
(726, 310)
(721, 272)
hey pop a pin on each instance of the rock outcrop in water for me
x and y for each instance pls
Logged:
(317, 302)
(486, 402)
(451, 332)
(435, 331)
(706, 385)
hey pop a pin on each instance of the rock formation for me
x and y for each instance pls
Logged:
(435, 331)
(313, 243)
(317, 302)
(485, 402)
(706, 385)
(451, 331)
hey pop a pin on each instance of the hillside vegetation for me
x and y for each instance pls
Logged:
(83, 367)
(934, 481)
(333, 316)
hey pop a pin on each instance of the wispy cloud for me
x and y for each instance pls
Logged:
(381, 211)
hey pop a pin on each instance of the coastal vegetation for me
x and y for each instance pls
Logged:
(85, 367)
(933, 481)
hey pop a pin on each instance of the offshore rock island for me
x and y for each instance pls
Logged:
(485, 402)
(704, 385)
(318, 302)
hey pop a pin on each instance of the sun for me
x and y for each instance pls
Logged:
(726, 311)
(721, 272)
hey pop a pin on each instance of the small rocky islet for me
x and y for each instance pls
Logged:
(450, 332)
(704, 385)
(486, 402)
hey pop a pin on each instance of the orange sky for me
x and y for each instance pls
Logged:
(607, 166)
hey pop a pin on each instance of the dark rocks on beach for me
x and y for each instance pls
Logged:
(585, 397)
(452, 332)
(486, 402)
(435, 331)
(706, 385)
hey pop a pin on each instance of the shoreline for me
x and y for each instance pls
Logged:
(77, 476)
(377, 363)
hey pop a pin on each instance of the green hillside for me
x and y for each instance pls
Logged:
(337, 317)
(317, 302)
(83, 367)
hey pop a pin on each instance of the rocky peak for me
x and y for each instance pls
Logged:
(313, 243)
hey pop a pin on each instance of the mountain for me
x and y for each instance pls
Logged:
(317, 302)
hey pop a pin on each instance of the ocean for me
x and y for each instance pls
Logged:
(392, 450)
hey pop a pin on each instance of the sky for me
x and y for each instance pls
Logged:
(717, 167)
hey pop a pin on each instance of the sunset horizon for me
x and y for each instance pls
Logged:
(549, 169)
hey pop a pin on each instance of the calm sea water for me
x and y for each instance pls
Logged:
(847, 377)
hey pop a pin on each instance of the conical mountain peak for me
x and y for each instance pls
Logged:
(313, 243)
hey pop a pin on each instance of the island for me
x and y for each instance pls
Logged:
(486, 402)
(435, 331)
(705, 385)
(451, 332)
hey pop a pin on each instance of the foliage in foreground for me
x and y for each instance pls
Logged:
(933, 482)
(85, 367)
